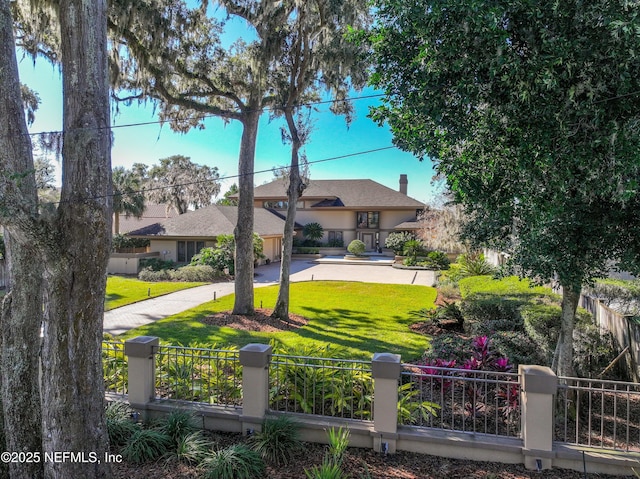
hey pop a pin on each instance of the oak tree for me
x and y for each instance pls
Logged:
(58, 256)
(170, 52)
(530, 110)
(317, 57)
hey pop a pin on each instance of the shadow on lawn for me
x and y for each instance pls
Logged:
(336, 327)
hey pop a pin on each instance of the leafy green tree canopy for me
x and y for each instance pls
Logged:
(227, 200)
(128, 197)
(180, 183)
(530, 111)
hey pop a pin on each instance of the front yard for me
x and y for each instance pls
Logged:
(356, 319)
(122, 291)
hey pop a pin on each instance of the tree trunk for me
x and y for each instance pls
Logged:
(116, 223)
(77, 252)
(570, 298)
(21, 322)
(294, 191)
(21, 314)
(244, 228)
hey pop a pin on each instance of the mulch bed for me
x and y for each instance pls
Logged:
(356, 464)
(260, 321)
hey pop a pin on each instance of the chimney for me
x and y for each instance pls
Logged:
(403, 184)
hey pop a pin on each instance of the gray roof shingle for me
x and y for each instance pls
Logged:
(211, 221)
(342, 193)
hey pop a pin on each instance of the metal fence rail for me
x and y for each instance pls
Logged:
(326, 387)
(483, 402)
(115, 367)
(213, 376)
(597, 413)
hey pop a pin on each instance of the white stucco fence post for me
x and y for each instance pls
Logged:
(386, 369)
(255, 360)
(140, 353)
(539, 386)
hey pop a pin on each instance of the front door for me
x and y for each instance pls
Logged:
(367, 239)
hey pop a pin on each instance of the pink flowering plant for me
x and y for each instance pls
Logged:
(479, 383)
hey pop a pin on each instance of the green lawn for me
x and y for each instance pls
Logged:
(122, 291)
(356, 319)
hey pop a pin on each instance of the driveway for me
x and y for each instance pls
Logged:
(120, 320)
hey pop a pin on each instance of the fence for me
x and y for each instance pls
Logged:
(532, 417)
(601, 414)
(625, 331)
(483, 402)
(321, 386)
(114, 363)
(198, 374)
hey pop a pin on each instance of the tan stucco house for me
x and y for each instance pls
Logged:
(182, 236)
(347, 209)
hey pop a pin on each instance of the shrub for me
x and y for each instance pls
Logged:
(410, 261)
(120, 426)
(518, 347)
(338, 443)
(156, 264)
(436, 260)
(149, 274)
(451, 276)
(450, 346)
(204, 274)
(146, 445)
(192, 274)
(2, 247)
(449, 311)
(413, 248)
(356, 247)
(234, 462)
(216, 258)
(335, 243)
(278, 441)
(541, 322)
(313, 232)
(512, 287)
(178, 424)
(449, 291)
(490, 308)
(622, 295)
(474, 264)
(593, 348)
(395, 241)
(120, 242)
(191, 448)
(328, 470)
(306, 250)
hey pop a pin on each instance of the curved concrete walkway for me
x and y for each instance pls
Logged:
(120, 320)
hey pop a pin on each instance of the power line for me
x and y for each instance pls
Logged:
(164, 187)
(206, 116)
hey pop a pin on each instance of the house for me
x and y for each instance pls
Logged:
(181, 237)
(347, 209)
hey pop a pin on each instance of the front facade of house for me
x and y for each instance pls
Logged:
(347, 209)
(178, 239)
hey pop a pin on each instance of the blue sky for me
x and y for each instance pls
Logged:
(218, 145)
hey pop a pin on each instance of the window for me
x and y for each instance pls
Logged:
(368, 219)
(276, 205)
(336, 238)
(281, 204)
(187, 249)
